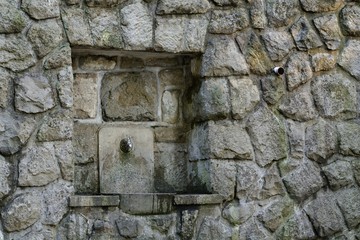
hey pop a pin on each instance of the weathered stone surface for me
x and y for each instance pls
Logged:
(128, 227)
(304, 36)
(298, 70)
(348, 201)
(337, 174)
(321, 141)
(228, 21)
(56, 201)
(85, 142)
(334, 95)
(85, 95)
(132, 62)
(94, 201)
(258, 13)
(349, 138)
(97, 63)
(170, 167)
(5, 181)
(222, 58)
(12, 20)
(146, 204)
(320, 5)
(104, 27)
(170, 106)
(39, 166)
(137, 26)
(297, 227)
(22, 212)
(296, 136)
(299, 105)
(236, 212)
(303, 181)
(323, 62)
(33, 94)
(5, 80)
(213, 229)
(182, 7)
(355, 164)
(72, 2)
(45, 36)
(56, 127)
(76, 27)
(350, 58)
(130, 96)
(254, 52)
(244, 96)
(227, 2)
(39, 9)
(271, 184)
(60, 57)
(180, 34)
(247, 180)
(267, 135)
(74, 226)
(252, 229)
(16, 53)
(188, 220)
(86, 179)
(274, 214)
(212, 100)
(281, 13)
(329, 29)
(220, 141)
(103, 3)
(273, 88)
(325, 216)
(278, 44)
(65, 87)
(350, 20)
(64, 155)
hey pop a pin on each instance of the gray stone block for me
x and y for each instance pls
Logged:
(198, 199)
(144, 204)
(94, 201)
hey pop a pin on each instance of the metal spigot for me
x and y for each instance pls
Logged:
(126, 145)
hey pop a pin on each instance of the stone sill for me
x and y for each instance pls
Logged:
(145, 203)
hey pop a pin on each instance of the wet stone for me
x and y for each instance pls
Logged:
(278, 44)
(329, 29)
(350, 20)
(320, 5)
(228, 21)
(337, 174)
(349, 138)
(323, 62)
(281, 13)
(304, 36)
(39, 9)
(350, 58)
(129, 96)
(321, 141)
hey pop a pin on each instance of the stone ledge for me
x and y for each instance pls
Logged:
(198, 199)
(94, 201)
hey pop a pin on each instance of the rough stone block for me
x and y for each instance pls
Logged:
(64, 154)
(131, 62)
(56, 127)
(296, 227)
(12, 20)
(329, 29)
(278, 44)
(304, 36)
(5, 181)
(247, 180)
(227, 2)
(224, 140)
(349, 138)
(97, 63)
(65, 87)
(165, 7)
(86, 179)
(325, 216)
(39, 9)
(303, 181)
(60, 57)
(214, 229)
(335, 95)
(296, 136)
(170, 106)
(350, 58)
(212, 100)
(39, 166)
(252, 229)
(281, 13)
(273, 88)
(338, 174)
(85, 95)
(237, 213)
(129, 227)
(103, 3)
(198, 199)
(258, 14)
(172, 78)
(94, 201)
(22, 212)
(321, 141)
(298, 70)
(350, 20)
(320, 5)
(323, 62)
(74, 226)
(85, 142)
(130, 96)
(171, 134)
(16, 53)
(137, 26)
(267, 135)
(222, 58)
(244, 96)
(228, 21)
(299, 105)
(126, 172)
(141, 204)
(5, 80)
(348, 200)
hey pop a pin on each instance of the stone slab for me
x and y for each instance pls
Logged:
(122, 172)
(198, 199)
(94, 201)
(139, 204)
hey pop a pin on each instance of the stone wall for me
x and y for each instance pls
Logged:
(278, 157)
